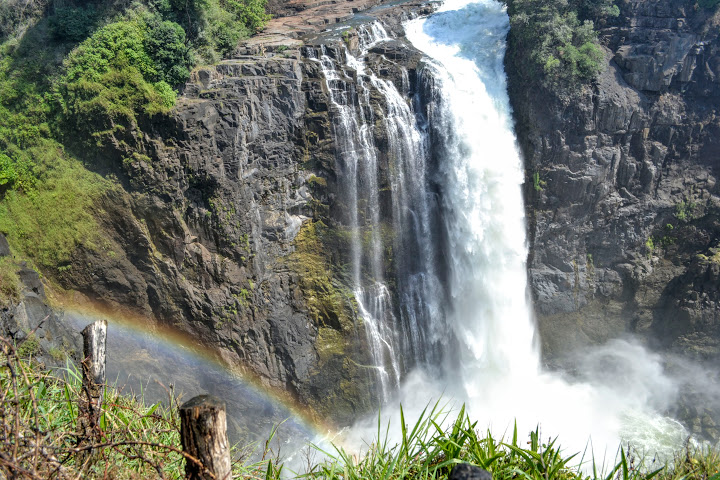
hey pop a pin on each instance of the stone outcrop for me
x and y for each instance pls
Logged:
(28, 321)
(623, 202)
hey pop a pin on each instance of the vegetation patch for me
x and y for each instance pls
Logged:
(78, 77)
(713, 255)
(556, 40)
(685, 211)
(9, 282)
(50, 221)
(329, 343)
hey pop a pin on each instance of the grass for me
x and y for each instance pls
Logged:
(9, 282)
(38, 412)
(38, 439)
(49, 222)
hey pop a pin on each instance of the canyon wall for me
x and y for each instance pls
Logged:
(622, 197)
(226, 223)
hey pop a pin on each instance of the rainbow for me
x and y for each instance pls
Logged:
(152, 360)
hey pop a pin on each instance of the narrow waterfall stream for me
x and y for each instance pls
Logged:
(396, 344)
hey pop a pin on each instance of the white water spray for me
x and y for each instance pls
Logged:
(493, 363)
(500, 379)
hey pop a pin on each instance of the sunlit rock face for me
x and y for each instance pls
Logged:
(624, 212)
(229, 222)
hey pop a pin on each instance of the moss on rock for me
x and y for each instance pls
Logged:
(328, 303)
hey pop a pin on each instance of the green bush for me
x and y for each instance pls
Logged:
(72, 24)
(165, 44)
(131, 57)
(17, 175)
(555, 42)
(226, 32)
(250, 12)
(122, 41)
(124, 69)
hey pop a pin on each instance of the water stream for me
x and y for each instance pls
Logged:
(400, 336)
(482, 316)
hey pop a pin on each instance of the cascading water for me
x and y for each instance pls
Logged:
(482, 176)
(357, 162)
(470, 143)
(407, 232)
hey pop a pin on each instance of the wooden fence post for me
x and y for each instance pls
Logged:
(203, 431)
(93, 383)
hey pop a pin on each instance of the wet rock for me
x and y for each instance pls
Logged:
(36, 328)
(206, 235)
(625, 213)
(465, 471)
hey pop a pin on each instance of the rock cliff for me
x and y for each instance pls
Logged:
(224, 223)
(622, 195)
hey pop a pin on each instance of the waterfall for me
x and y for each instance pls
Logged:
(458, 323)
(400, 334)
(482, 176)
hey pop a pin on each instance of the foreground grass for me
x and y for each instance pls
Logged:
(38, 411)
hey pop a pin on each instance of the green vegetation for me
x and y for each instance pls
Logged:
(78, 77)
(9, 282)
(326, 302)
(50, 221)
(555, 41)
(713, 255)
(538, 184)
(38, 411)
(685, 211)
(73, 24)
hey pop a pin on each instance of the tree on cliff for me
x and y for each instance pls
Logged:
(556, 39)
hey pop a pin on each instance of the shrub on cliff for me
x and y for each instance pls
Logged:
(129, 58)
(124, 69)
(555, 42)
(214, 26)
(72, 24)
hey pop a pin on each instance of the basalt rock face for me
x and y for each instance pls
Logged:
(623, 202)
(224, 227)
(31, 325)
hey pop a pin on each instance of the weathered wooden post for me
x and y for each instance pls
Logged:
(93, 383)
(203, 432)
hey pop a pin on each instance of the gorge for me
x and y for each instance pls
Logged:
(329, 218)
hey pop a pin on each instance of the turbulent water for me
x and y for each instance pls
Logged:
(481, 316)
